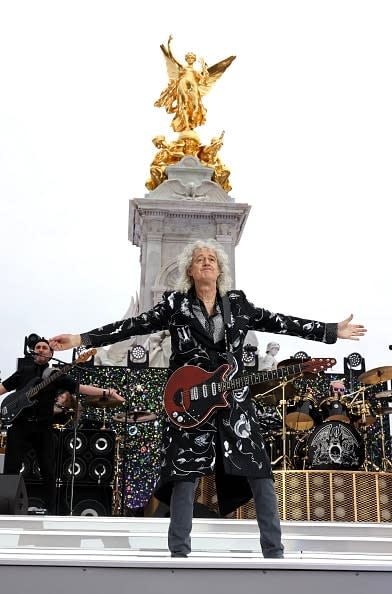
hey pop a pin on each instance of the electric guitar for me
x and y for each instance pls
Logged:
(14, 403)
(192, 394)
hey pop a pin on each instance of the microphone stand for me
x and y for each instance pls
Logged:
(124, 457)
(75, 435)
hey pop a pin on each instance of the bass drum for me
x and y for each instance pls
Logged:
(334, 445)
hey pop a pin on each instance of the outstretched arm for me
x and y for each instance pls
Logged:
(154, 320)
(62, 342)
(350, 331)
(101, 394)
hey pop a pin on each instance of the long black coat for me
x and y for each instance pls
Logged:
(230, 442)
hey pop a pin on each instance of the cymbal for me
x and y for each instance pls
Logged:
(384, 394)
(103, 402)
(386, 410)
(135, 416)
(377, 375)
(275, 395)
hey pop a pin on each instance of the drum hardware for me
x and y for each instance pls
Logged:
(281, 388)
(274, 443)
(386, 464)
(117, 498)
(300, 456)
(103, 402)
(360, 407)
(272, 391)
(362, 414)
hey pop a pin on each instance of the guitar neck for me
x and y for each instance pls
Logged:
(48, 380)
(259, 377)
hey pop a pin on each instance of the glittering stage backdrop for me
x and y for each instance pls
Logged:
(137, 443)
(137, 459)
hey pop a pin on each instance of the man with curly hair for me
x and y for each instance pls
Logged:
(208, 322)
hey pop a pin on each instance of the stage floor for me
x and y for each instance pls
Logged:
(101, 554)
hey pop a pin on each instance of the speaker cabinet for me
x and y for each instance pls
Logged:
(86, 500)
(84, 472)
(13, 494)
(88, 457)
(87, 465)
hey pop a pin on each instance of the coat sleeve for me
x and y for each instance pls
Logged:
(264, 320)
(146, 323)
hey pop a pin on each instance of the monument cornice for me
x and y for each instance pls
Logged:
(163, 212)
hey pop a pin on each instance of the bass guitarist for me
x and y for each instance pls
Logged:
(208, 323)
(33, 427)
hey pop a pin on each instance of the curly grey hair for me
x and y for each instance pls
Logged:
(185, 282)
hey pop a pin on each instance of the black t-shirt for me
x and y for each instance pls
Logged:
(30, 375)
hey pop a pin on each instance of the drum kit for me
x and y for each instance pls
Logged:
(339, 431)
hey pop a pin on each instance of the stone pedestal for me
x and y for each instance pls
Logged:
(186, 207)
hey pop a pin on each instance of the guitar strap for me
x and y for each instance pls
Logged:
(227, 324)
(47, 372)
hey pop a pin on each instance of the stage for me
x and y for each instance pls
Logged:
(47, 554)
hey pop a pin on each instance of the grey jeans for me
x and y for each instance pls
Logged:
(181, 513)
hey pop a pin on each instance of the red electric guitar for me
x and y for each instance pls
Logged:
(192, 394)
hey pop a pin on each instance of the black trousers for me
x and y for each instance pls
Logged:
(21, 437)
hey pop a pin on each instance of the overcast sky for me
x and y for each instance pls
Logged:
(307, 113)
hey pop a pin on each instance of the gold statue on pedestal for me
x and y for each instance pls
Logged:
(187, 86)
(183, 97)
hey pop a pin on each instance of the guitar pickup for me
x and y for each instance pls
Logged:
(178, 399)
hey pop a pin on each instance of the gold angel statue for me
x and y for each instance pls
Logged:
(183, 95)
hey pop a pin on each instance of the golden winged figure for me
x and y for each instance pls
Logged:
(183, 95)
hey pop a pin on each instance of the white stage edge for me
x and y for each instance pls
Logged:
(50, 554)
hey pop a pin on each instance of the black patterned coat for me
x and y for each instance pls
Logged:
(230, 442)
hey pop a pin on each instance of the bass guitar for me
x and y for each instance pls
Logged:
(193, 394)
(14, 403)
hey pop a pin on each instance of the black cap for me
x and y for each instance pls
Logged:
(34, 339)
